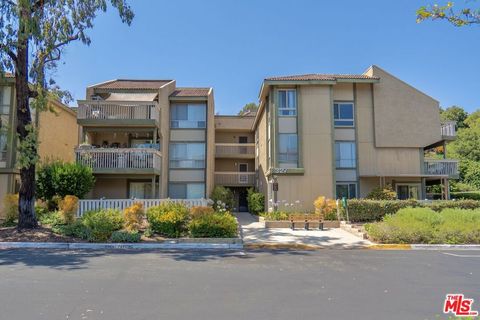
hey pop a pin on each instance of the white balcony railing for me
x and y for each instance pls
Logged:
(124, 158)
(449, 129)
(235, 178)
(120, 204)
(444, 167)
(118, 110)
(234, 149)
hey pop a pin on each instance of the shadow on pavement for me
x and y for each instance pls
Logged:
(80, 259)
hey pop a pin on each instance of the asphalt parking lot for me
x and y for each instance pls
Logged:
(277, 284)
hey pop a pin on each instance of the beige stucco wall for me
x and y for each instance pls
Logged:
(187, 135)
(110, 188)
(210, 169)
(343, 92)
(315, 114)
(379, 161)
(58, 133)
(404, 116)
(232, 136)
(261, 160)
(233, 122)
(231, 165)
(164, 103)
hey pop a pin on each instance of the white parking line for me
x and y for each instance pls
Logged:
(461, 255)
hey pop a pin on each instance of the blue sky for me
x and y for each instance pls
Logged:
(232, 45)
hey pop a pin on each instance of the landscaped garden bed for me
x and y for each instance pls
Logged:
(158, 224)
(425, 226)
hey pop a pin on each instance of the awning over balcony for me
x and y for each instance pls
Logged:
(118, 96)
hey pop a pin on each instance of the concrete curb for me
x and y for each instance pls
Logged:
(109, 246)
(424, 247)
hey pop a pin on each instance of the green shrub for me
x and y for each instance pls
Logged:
(102, 223)
(222, 198)
(76, 229)
(256, 201)
(198, 211)
(450, 204)
(51, 218)
(385, 193)
(466, 195)
(361, 210)
(217, 225)
(62, 179)
(423, 225)
(275, 215)
(168, 219)
(125, 236)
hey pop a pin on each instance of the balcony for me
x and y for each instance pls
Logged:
(448, 129)
(235, 150)
(442, 167)
(233, 179)
(121, 160)
(124, 113)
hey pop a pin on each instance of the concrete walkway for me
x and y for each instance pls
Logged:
(255, 234)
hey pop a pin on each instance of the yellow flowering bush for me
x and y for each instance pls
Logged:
(133, 216)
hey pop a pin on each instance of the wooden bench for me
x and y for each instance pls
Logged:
(305, 219)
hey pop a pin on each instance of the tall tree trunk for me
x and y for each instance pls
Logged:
(26, 202)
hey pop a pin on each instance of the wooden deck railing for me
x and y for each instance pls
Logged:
(118, 110)
(235, 178)
(445, 167)
(122, 158)
(234, 149)
(120, 204)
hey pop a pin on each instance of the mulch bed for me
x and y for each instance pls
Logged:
(40, 234)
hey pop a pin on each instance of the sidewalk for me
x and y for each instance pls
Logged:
(256, 235)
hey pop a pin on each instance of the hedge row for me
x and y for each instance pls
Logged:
(360, 210)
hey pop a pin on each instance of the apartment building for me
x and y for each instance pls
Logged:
(335, 135)
(235, 156)
(147, 139)
(340, 135)
(58, 135)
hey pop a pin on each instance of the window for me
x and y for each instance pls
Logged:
(186, 190)
(141, 190)
(188, 115)
(5, 99)
(345, 155)
(3, 149)
(343, 114)
(287, 103)
(347, 190)
(187, 155)
(288, 148)
(408, 191)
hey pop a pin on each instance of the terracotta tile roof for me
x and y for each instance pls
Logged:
(320, 77)
(190, 92)
(132, 84)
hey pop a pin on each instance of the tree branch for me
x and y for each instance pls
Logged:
(10, 53)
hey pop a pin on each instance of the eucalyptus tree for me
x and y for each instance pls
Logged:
(33, 37)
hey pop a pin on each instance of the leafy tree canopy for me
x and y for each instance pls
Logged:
(454, 113)
(458, 17)
(249, 107)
